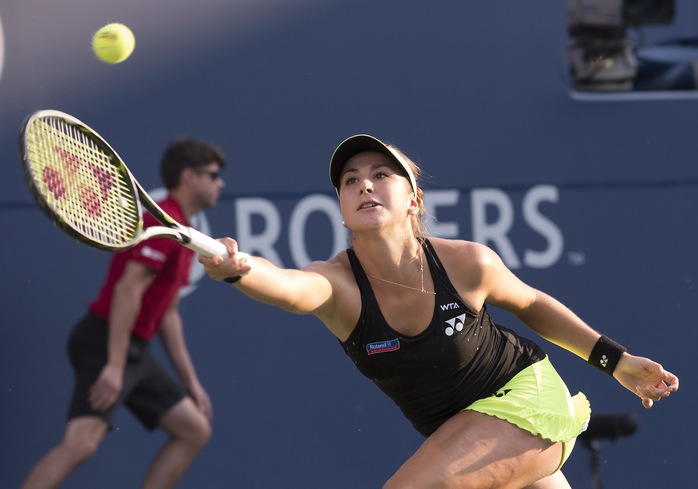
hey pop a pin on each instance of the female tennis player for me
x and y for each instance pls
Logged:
(411, 312)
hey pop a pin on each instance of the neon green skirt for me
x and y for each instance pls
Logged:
(537, 400)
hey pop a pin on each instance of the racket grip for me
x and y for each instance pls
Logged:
(205, 245)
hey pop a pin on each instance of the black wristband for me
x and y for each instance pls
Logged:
(232, 280)
(606, 354)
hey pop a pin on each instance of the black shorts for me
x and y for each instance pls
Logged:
(148, 391)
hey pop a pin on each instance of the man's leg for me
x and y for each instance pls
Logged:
(80, 442)
(189, 432)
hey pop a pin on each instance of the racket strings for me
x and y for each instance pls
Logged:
(80, 183)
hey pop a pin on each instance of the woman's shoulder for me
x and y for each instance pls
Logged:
(336, 267)
(460, 248)
(467, 262)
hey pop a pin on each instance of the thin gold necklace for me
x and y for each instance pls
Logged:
(421, 269)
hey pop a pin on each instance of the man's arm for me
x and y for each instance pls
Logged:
(126, 302)
(172, 336)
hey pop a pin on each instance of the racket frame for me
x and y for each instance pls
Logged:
(187, 236)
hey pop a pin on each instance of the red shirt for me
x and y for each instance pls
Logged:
(169, 260)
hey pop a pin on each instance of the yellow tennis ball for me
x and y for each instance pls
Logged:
(113, 43)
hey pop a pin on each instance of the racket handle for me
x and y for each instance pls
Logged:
(207, 246)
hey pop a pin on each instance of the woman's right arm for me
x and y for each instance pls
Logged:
(306, 291)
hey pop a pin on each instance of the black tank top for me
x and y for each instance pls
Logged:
(462, 356)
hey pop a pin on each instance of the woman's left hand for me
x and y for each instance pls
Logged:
(645, 378)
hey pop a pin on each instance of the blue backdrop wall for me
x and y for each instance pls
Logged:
(591, 198)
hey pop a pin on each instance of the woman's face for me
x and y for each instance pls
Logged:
(373, 192)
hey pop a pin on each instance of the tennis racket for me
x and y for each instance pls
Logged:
(87, 191)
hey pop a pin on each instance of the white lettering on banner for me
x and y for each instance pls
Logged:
(544, 226)
(434, 199)
(297, 224)
(495, 233)
(263, 243)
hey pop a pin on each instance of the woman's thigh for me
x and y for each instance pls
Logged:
(475, 450)
(554, 481)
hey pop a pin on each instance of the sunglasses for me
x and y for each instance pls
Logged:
(215, 175)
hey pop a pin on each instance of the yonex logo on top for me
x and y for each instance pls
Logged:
(454, 325)
(604, 361)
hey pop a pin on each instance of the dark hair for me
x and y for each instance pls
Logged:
(185, 152)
